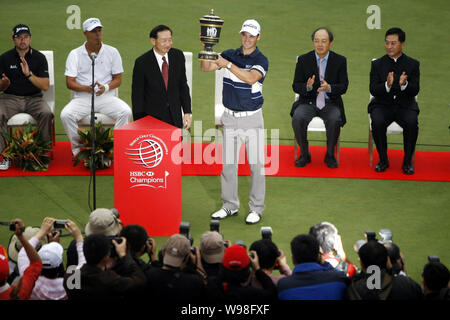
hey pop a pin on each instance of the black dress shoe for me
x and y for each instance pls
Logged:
(382, 166)
(303, 160)
(408, 168)
(331, 162)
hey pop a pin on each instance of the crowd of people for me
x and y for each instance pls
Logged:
(112, 261)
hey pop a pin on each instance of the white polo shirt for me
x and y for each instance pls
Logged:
(79, 66)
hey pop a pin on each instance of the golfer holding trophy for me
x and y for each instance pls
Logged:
(244, 72)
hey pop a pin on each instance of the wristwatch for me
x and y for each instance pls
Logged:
(229, 65)
(28, 76)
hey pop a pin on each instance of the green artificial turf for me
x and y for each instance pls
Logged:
(416, 212)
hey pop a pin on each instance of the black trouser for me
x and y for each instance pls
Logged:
(382, 117)
(331, 116)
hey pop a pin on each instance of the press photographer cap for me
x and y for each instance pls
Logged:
(211, 247)
(235, 258)
(176, 249)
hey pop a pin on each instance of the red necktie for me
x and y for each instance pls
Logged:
(165, 71)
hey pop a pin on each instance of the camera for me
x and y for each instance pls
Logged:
(59, 224)
(11, 225)
(386, 235)
(433, 258)
(113, 252)
(241, 243)
(214, 225)
(184, 230)
(266, 233)
(371, 235)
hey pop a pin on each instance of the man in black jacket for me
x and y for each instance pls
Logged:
(320, 80)
(97, 279)
(159, 87)
(177, 280)
(394, 84)
(377, 283)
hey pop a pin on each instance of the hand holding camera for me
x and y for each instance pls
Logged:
(19, 227)
(46, 228)
(12, 225)
(254, 261)
(73, 229)
(150, 248)
(120, 245)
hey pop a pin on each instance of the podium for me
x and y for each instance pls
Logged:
(147, 175)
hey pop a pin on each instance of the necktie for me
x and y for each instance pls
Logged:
(165, 71)
(320, 101)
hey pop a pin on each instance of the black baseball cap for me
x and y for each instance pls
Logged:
(19, 29)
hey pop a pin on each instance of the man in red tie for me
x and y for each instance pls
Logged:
(159, 87)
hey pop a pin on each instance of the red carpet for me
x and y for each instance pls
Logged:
(354, 163)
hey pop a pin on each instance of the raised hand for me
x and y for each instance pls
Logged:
(403, 79)
(310, 82)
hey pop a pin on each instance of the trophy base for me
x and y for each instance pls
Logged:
(208, 55)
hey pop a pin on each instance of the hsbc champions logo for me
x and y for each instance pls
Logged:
(147, 152)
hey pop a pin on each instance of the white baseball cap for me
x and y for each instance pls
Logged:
(51, 255)
(251, 26)
(91, 23)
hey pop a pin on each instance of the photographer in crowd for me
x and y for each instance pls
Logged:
(312, 278)
(21, 289)
(234, 278)
(49, 285)
(270, 258)
(331, 247)
(174, 281)
(374, 254)
(101, 221)
(435, 281)
(97, 279)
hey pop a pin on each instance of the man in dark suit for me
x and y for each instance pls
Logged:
(394, 84)
(159, 87)
(320, 80)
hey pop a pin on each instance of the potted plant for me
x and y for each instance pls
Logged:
(26, 149)
(104, 144)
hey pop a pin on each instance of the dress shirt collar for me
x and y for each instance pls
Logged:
(396, 59)
(159, 58)
(325, 58)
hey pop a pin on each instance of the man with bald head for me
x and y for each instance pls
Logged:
(320, 79)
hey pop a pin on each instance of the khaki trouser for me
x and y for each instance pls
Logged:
(35, 106)
(250, 132)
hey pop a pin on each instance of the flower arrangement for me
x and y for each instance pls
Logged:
(26, 149)
(104, 144)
